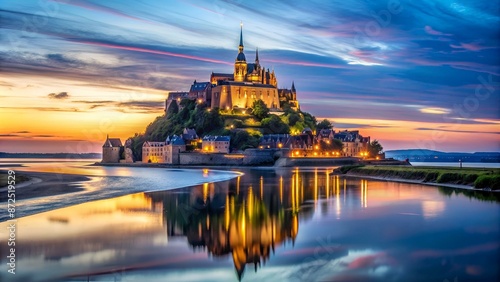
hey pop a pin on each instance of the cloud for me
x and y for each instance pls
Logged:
(456, 131)
(59, 96)
(469, 46)
(135, 106)
(435, 110)
(43, 109)
(44, 136)
(22, 132)
(432, 31)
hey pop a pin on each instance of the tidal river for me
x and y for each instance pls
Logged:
(261, 225)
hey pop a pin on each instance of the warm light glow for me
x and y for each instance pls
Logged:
(280, 145)
(315, 153)
(296, 153)
(316, 147)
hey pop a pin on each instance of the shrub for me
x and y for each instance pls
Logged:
(238, 123)
(431, 176)
(488, 181)
(346, 168)
(448, 177)
(470, 178)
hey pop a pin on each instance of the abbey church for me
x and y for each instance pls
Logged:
(247, 83)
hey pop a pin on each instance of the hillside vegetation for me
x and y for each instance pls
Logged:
(244, 126)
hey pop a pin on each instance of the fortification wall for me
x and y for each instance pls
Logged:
(287, 161)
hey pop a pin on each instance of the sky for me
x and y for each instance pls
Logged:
(411, 74)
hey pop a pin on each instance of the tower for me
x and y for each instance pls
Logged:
(240, 64)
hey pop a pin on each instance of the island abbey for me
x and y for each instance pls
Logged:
(248, 82)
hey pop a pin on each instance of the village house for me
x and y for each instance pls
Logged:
(215, 144)
(355, 145)
(163, 152)
(273, 141)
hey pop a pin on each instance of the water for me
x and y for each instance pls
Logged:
(106, 182)
(267, 225)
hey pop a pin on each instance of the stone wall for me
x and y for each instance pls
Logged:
(111, 154)
(287, 162)
(251, 157)
(210, 159)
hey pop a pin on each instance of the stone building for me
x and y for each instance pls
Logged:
(201, 92)
(175, 97)
(112, 150)
(354, 143)
(163, 152)
(215, 144)
(247, 83)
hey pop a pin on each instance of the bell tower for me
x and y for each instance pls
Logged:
(240, 64)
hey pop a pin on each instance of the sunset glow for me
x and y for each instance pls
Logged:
(73, 72)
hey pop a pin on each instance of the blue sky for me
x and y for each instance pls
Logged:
(389, 68)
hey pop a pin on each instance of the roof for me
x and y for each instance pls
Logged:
(112, 142)
(189, 134)
(199, 86)
(153, 144)
(235, 83)
(250, 68)
(241, 57)
(348, 136)
(223, 138)
(275, 138)
(325, 132)
(217, 138)
(176, 140)
(222, 74)
(173, 95)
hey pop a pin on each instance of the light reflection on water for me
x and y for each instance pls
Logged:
(107, 182)
(268, 225)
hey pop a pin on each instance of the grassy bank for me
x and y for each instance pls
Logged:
(475, 177)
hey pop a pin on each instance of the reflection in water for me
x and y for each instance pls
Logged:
(230, 220)
(432, 208)
(350, 229)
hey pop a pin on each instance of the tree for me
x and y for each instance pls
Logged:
(173, 108)
(324, 124)
(293, 118)
(374, 148)
(237, 123)
(309, 120)
(209, 121)
(274, 124)
(243, 140)
(259, 109)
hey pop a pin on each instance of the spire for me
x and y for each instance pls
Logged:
(293, 86)
(241, 36)
(257, 55)
(241, 56)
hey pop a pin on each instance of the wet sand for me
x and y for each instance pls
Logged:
(42, 184)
